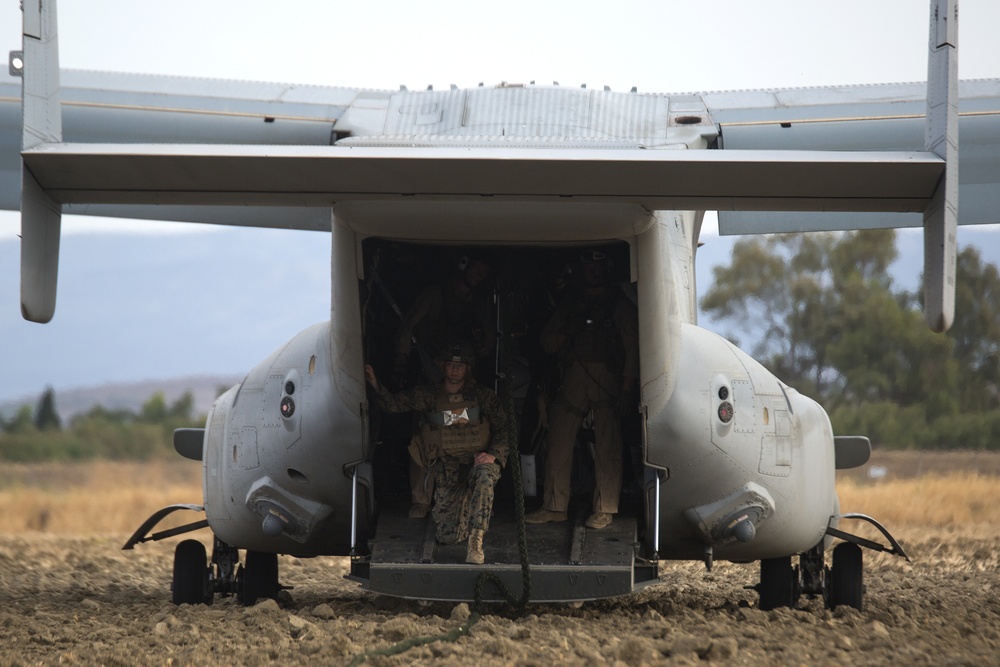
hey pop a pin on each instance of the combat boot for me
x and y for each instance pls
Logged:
(599, 520)
(419, 510)
(475, 552)
(545, 516)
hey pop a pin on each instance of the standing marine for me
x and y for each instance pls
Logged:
(462, 442)
(595, 329)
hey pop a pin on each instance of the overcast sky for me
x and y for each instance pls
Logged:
(656, 45)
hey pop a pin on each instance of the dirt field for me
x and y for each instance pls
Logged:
(70, 596)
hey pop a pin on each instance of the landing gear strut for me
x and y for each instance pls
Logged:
(781, 585)
(842, 584)
(197, 582)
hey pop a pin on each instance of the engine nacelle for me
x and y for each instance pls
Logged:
(281, 448)
(750, 460)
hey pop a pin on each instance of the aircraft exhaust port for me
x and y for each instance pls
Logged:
(742, 525)
(735, 518)
(275, 523)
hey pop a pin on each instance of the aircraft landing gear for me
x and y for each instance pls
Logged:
(191, 583)
(779, 585)
(196, 581)
(258, 578)
(840, 585)
(845, 580)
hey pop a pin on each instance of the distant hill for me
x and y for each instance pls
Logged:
(216, 302)
(130, 395)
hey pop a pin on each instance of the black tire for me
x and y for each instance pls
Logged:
(777, 583)
(846, 586)
(259, 578)
(190, 583)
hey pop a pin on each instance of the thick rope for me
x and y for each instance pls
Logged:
(413, 642)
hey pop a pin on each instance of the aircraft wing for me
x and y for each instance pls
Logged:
(854, 153)
(131, 140)
(136, 109)
(281, 156)
(861, 118)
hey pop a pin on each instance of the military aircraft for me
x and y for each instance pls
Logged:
(729, 462)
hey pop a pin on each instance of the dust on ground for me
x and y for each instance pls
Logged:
(81, 600)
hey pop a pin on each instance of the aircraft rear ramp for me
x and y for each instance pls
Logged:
(567, 560)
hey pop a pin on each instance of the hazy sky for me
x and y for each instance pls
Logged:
(656, 45)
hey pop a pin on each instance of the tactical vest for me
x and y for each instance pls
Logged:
(596, 336)
(456, 427)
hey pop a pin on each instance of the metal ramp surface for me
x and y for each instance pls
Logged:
(568, 561)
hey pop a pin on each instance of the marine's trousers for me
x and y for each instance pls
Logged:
(587, 385)
(421, 484)
(463, 498)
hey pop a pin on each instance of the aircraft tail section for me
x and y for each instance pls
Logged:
(41, 217)
(941, 138)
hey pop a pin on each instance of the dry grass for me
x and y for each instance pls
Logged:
(113, 498)
(102, 497)
(940, 501)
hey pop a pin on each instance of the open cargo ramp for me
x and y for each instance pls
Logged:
(568, 561)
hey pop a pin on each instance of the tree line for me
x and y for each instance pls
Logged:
(827, 319)
(823, 315)
(37, 433)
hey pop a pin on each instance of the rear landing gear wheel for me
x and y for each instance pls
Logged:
(259, 578)
(777, 586)
(846, 585)
(190, 583)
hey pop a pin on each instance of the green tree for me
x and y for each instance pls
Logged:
(100, 432)
(22, 422)
(154, 410)
(976, 330)
(46, 416)
(773, 285)
(831, 324)
(182, 408)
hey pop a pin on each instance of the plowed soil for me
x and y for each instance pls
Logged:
(75, 598)
(83, 601)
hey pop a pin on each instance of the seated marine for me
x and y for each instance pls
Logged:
(462, 442)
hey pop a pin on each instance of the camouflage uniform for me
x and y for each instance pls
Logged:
(463, 492)
(439, 315)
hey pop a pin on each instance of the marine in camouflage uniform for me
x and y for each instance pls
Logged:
(458, 309)
(462, 440)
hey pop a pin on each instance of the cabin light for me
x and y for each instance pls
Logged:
(726, 412)
(287, 407)
(15, 63)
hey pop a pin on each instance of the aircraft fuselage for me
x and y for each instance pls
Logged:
(725, 440)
